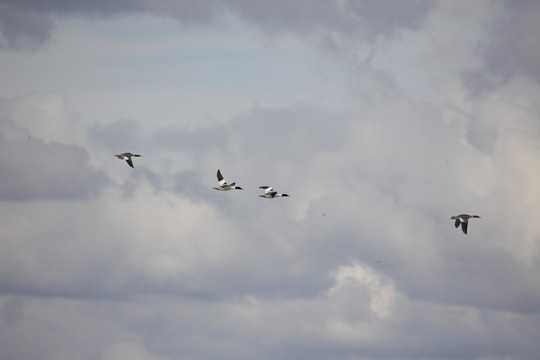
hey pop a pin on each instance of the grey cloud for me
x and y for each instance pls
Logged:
(264, 130)
(205, 274)
(42, 156)
(511, 50)
(251, 147)
(374, 155)
(13, 310)
(266, 330)
(515, 46)
(261, 138)
(117, 137)
(78, 7)
(375, 152)
(23, 29)
(29, 24)
(351, 19)
(182, 275)
(365, 164)
(31, 169)
(124, 135)
(390, 14)
(308, 328)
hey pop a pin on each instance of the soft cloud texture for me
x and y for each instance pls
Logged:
(41, 153)
(347, 18)
(102, 261)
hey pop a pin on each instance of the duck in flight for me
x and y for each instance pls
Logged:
(127, 156)
(223, 186)
(463, 219)
(269, 193)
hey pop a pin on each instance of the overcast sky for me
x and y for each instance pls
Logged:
(381, 119)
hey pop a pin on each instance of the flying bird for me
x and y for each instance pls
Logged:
(127, 156)
(223, 186)
(463, 219)
(269, 193)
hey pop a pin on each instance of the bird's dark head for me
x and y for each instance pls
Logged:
(238, 188)
(476, 216)
(285, 195)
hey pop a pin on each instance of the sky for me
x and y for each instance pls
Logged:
(380, 119)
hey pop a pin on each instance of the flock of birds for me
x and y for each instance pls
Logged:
(270, 193)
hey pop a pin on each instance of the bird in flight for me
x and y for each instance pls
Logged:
(463, 219)
(127, 156)
(269, 193)
(223, 186)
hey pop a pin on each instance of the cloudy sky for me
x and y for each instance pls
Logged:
(381, 119)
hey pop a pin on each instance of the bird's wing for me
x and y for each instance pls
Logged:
(220, 179)
(457, 222)
(130, 163)
(464, 227)
(272, 193)
(267, 189)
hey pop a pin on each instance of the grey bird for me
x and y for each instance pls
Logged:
(270, 193)
(223, 186)
(463, 219)
(127, 156)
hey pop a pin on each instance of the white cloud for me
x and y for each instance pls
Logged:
(381, 295)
